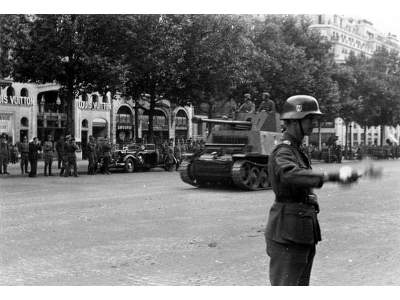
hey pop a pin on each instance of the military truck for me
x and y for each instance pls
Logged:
(236, 152)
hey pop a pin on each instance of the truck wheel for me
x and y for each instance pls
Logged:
(129, 165)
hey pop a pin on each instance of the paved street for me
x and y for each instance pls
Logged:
(152, 229)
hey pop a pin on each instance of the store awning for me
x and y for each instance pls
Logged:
(99, 123)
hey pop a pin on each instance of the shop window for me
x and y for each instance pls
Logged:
(181, 119)
(24, 92)
(124, 115)
(85, 123)
(24, 121)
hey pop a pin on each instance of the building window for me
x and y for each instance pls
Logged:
(10, 92)
(24, 92)
(24, 121)
(84, 97)
(85, 123)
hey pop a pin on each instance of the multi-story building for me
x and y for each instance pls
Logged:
(359, 36)
(352, 35)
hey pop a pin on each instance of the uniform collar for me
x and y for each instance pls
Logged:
(291, 139)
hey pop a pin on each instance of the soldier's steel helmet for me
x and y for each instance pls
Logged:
(299, 106)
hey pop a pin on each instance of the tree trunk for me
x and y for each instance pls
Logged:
(351, 141)
(136, 109)
(345, 140)
(151, 113)
(382, 135)
(70, 110)
(112, 121)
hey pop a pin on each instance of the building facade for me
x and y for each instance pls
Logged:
(31, 110)
(352, 35)
(38, 110)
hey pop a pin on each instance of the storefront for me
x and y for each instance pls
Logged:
(17, 111)
(160, 125)
(181, 125)
(124, 120)
(51, 114)
(92, 117)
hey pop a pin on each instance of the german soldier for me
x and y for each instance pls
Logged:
(48, 152)
(23, 148)
(267, 104)
(292, 229)
(106, 153)
(59, 150)
(70, 149)
(34, 148)
(4, 154)
(62, 152)
(92, 157)
(248, 106)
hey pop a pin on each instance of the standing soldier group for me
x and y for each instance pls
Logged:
(66, 150)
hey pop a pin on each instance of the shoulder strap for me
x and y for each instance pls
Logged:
(288, 146)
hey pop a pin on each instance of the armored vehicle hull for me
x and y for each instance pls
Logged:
(236, 153)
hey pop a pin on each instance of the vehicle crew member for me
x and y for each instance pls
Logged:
(92, 157)
(34, 148)
(292, 229)
(266, 104)
(4, 154)
(248, 106)
(70, 149)
(48, 152)
(23, 148)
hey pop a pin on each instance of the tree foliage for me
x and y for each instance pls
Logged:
(197, 59)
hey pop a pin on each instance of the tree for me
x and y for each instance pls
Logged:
(12, 28)
(80, 52)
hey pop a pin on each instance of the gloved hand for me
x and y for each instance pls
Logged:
(346, 175)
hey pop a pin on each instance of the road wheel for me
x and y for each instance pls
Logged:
(264, 183)
(254, 178)
(129, 165)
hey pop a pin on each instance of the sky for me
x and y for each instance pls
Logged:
(385, 24)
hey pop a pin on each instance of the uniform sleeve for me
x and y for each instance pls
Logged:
(290, 173)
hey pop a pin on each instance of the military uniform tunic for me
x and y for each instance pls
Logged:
(48, 150)
(292, 229)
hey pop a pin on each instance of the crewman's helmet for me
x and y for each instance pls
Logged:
(299, 106)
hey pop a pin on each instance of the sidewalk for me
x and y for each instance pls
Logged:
(15, 169)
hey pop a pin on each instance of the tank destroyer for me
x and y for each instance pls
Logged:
(236, 152)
